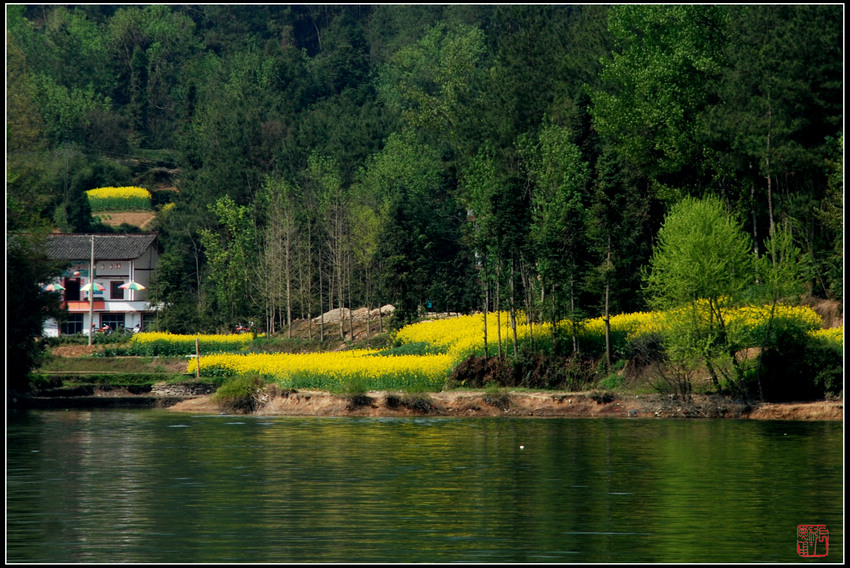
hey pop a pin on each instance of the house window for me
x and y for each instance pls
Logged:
(72, 289)
(115, 321)
(115, 292)
(74, 324)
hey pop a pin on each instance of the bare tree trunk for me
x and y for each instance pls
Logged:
(368, 288)
(498, 309)
(196, 254)
(350, 299)
(513, 307)
(573, 315)
(755, 225)
(769, 201)
(301, 296)
(554, 320)
(607, 312)
(310, 278)
(341, 293)
(767, 166)
(321, 307)
(486, 301)
(528, 300)
(288, 272)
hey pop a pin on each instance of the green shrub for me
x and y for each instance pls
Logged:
(113, 350)
(240, 394)
(611, 382)
(354, 385)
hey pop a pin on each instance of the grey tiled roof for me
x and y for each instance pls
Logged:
(106, 247)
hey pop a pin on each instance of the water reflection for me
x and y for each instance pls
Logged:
(153, 486)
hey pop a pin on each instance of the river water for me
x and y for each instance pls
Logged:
(153, 486)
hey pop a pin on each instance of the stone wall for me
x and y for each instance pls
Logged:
(182, 389)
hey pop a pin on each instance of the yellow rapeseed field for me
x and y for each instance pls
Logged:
(463, 335)
(740, 321)
(333, 370)
(119, 198)
(632, 325)
(128, 192)
(169, 344)
(454, 338)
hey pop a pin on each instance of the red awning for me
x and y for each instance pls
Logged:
(83, 306)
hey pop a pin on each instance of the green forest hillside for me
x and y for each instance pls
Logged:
(459, 158)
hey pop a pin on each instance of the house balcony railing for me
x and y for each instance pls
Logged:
(120, 306)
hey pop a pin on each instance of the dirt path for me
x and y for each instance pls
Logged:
(515, 404)
(140, 219)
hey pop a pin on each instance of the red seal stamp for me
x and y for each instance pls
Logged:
(812, 541)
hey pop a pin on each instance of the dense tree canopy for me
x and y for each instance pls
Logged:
(337, 156)
(28, 267)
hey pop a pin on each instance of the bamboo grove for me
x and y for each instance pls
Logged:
(514, 159)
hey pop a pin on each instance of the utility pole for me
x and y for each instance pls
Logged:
(91, 293)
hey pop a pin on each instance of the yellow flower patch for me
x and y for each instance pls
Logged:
(832, 335)
(168, 344)
(332, 370)
(119, 198)
(463, 335)
(119, 192)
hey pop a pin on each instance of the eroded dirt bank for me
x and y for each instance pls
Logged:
(530, 404)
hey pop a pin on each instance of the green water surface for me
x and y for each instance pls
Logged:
(155, 486)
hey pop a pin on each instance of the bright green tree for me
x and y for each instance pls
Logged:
(230, 251)
(701, 267)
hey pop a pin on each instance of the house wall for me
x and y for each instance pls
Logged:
(144, 266)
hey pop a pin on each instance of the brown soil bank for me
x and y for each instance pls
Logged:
(520, 404)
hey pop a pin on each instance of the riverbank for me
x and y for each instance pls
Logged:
(71, 363)
(520, 404)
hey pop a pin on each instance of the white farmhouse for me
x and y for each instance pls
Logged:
(119, 260)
